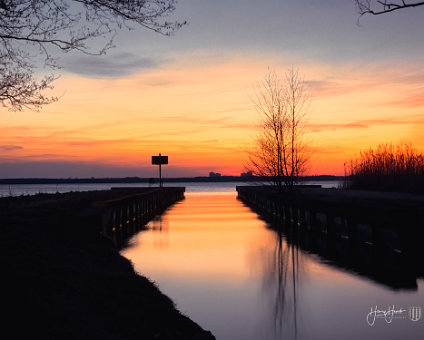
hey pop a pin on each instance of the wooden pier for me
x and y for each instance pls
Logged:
(115, 213)
(126, 214)
(376, 234)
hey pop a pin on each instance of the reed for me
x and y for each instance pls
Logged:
(388, 168)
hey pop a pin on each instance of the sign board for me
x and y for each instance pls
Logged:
(158, 160)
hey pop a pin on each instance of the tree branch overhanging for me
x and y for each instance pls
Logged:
(377, 7)
(52, 26)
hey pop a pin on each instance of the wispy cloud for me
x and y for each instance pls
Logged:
(364, 124)
(220, 122)
(10, 147)
(409, 101)
(109, 66)
(334, 86)
(414, 78)
(326, 88)
(64, 169)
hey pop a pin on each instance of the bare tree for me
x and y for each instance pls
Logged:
(280, 150)
(377, 7)
(32, 31)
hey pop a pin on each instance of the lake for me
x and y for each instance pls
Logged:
(33, 189)
(235, 275)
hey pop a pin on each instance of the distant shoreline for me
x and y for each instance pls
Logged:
(155, 180)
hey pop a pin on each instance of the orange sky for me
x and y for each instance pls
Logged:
(201, 115)
(189, 96)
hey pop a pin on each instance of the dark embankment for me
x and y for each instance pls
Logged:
(61, 279)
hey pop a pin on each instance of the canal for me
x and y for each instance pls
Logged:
(236, 276)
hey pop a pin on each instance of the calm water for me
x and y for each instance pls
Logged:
(227, 270)
(32, 189)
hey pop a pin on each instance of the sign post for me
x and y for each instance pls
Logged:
(159, 160)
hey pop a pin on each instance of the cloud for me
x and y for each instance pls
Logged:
(411, 101)
(221, 122)
(109, 66)
(63, 169)
(10, 147)
(68, 169)
(364, 124)
(415, 78)
(336, 126)
(157, 81)
(336, 87)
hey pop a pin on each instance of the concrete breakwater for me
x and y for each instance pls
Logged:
(63, 276)
(377, 235)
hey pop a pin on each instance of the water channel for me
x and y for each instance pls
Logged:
(232, 273)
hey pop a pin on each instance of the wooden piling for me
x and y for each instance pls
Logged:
(352, 229)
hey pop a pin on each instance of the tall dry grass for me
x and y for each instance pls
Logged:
(388, 168)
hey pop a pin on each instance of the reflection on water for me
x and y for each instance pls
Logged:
(283, 268)
(160, 224)
(383, 247)
(233, 274)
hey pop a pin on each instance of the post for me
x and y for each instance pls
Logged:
(159, 160)
(160, 174)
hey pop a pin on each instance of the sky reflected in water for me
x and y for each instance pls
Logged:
(230, 273)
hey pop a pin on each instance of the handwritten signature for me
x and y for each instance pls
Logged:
(388, 315)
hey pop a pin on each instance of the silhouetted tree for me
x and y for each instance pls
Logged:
(31, 31)
(280, 151)
(377, 7)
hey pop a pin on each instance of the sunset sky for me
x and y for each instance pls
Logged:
(189, 96)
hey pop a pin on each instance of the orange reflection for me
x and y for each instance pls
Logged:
(210, 235)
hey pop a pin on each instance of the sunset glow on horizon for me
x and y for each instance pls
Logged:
(195, 105)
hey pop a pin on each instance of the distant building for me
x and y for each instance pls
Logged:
(214, 174)
(246, 174)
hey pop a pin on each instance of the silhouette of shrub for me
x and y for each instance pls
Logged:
(388, 168)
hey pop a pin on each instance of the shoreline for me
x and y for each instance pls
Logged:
(135, 180)
(64, 280)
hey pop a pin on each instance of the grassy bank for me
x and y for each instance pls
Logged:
(62, 280)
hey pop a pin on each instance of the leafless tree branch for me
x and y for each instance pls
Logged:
(280, 151)
(377, 7)
(48, 26)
